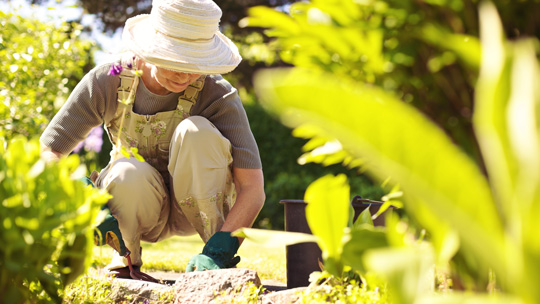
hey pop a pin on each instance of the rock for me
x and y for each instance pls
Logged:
(288, 296)
(134, 291)
(202, 287)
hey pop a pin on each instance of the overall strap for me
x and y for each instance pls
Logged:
(128, 82)
(189, 98)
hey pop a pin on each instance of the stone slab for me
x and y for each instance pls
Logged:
(196, 287)
(133, 291)
(202, 287)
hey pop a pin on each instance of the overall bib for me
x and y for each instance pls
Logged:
(184, 186)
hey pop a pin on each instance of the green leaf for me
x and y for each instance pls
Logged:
(361, 240)
(364, 218)
(135, 153)
(492, 94)
(327, 212)
(407, 271)
(467, 47)
(506, 122)
(468, 298)
(261, 16)
(274, 238)
(124, 152)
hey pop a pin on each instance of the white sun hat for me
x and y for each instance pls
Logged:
(182, 35)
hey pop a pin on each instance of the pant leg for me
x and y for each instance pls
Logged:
(201, 180)
(140, 203)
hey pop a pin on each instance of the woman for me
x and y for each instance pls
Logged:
(202, 171)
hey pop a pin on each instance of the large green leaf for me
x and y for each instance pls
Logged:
(468, 298)
(490, 120)
(274, 238)
(397, 141)
(327, 212)
(362, 240)
(507, 121)
(408, 271)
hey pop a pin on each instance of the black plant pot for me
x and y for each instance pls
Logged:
(305, 258)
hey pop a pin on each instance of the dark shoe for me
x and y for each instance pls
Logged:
(136, 274)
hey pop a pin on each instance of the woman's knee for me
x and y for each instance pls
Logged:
(129, 172)
(197, 131)
(198, 142)
(130, 180)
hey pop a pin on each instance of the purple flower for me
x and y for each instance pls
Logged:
(94, 141)
(116, 69)
(78, 147)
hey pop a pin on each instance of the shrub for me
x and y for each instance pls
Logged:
(41, 64)
(46, 218)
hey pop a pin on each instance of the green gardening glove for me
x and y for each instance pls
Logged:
(218, 253)
(108, 232)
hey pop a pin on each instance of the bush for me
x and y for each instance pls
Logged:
(424, 52)
(46, 219)
(41, 64)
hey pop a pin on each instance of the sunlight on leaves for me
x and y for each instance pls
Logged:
(327, 212)
(274, 238)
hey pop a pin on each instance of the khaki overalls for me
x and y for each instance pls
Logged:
(185, 184)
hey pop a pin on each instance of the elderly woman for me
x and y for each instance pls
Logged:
(165, 96)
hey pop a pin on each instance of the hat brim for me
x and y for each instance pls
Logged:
(218, 55)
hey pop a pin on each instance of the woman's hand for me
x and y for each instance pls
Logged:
(49, 154)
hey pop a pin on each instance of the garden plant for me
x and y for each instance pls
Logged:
(47, 218)
(42, 63)
(479, 228)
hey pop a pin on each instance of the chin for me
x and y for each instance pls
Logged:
(176, 89)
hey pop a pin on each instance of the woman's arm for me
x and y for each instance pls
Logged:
(250, 198)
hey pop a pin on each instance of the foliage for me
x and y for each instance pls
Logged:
(329, 223)
(284, 177)
(492, 222)
(249, 294)
(42, 63)
(94, 287)
(344, 290)
(46, 219)
(89, 288)
(425, 52)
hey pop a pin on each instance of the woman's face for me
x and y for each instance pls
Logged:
(171, 81)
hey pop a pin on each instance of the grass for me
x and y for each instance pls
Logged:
(173, 255)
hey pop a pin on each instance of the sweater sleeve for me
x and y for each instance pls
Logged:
(219, 102)
(92, 101)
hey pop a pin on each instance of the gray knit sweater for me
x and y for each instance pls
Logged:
(94, 101)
